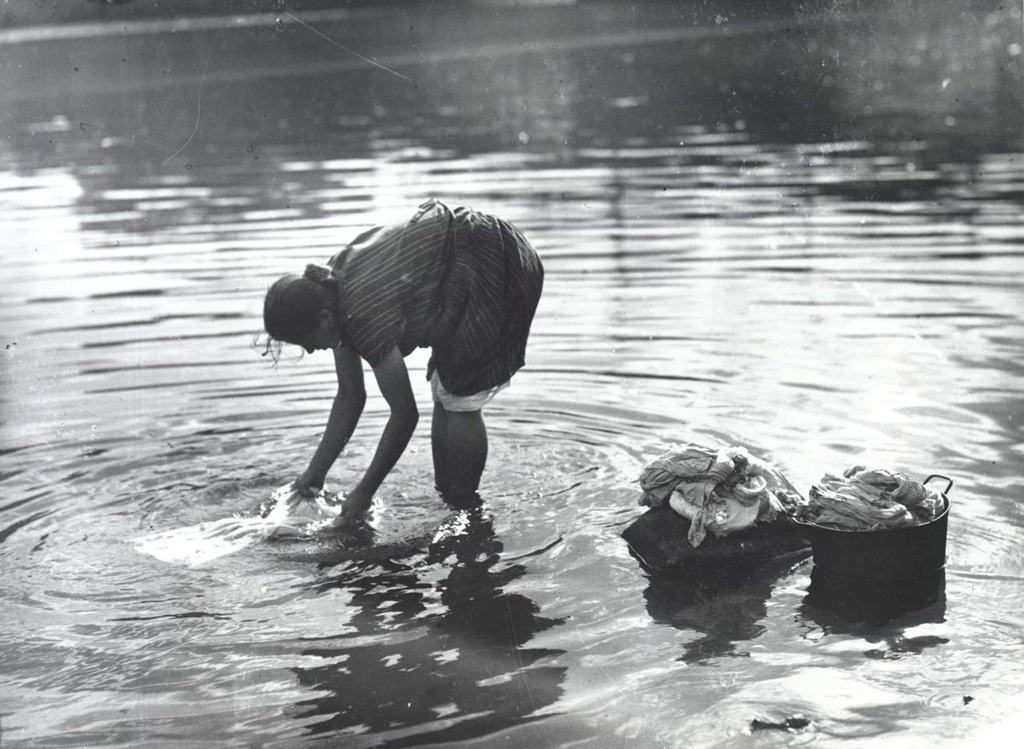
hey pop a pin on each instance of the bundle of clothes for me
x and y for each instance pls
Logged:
(873, 499)
(718, 491)
(722, 491)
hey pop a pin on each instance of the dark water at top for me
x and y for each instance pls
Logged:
(800, 232)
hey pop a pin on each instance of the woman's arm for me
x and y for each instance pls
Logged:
(393, 379)
(345, 413)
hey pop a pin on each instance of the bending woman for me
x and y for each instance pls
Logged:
(463, 283)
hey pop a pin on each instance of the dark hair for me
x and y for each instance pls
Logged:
(293, 304)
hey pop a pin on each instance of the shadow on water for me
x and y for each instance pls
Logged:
(454, 662)
(725, 608)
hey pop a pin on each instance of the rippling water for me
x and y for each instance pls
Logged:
(798, 232)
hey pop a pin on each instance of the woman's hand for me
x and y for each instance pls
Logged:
(355, 507)
(309, 483)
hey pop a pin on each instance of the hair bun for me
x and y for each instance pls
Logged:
(318, 273)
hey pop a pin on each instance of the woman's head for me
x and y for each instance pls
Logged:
(297, 308)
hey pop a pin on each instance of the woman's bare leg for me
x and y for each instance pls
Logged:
(458, 441)
(467, 453)
(439, 449)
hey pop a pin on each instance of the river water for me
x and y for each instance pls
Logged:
(800, 232)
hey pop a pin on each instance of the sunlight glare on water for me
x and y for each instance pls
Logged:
(748, 239)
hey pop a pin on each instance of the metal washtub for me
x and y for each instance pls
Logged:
(894, 555)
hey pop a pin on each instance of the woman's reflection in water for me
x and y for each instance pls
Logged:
(438, 653)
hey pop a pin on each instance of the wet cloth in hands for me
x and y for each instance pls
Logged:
(718, 490)
(870, 499)
(285, 513)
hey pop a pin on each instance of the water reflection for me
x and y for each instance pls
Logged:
(229, 99)
(726, 609)
(880, 602)
(880, 614)
(440, 654)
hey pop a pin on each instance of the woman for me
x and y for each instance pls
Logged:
(466, 284)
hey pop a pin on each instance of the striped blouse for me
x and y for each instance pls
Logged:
(464, 283)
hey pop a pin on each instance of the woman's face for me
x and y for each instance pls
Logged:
(323, 337)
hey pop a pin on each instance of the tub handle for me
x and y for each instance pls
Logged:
(947, 479)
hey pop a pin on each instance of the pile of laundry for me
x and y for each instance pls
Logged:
(870, 499)
(720, 491)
